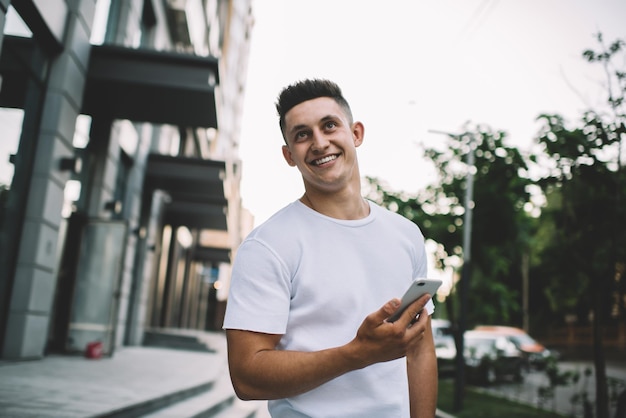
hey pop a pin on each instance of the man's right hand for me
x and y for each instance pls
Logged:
(378, 340)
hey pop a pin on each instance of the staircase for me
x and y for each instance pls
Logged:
(218, 401)
(212, 399)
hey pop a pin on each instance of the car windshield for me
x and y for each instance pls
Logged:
(444, 342)
(523, 339)
(478, 346)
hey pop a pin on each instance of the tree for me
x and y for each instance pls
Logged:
(499, 236)
(501, 226)
(583, 263)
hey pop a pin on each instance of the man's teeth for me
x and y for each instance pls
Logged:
(325, 159)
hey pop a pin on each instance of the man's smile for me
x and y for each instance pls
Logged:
(325, 160)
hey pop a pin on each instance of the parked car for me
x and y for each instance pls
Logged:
(445, 349)
(441, 327)
(490, 358)
(535, 353)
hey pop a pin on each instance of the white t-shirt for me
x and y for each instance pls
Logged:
(313, 279)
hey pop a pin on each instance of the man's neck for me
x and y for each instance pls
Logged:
(350, 206)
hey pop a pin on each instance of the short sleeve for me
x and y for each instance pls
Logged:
(260, 289)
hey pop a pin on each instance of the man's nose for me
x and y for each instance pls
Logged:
(320, 141)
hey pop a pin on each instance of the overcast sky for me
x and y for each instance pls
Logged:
(411, 66)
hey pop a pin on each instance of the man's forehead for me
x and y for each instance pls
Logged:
(312, 111)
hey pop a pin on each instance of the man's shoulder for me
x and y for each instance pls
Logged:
(280, 222)
(389, 214)
(394, 223)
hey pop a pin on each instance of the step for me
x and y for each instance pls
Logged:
(211, 403)
(208, 404)
(164, 399)
(181, 341)
(245, 409)
(142, 408)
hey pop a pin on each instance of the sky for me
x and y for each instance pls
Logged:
(411, 67)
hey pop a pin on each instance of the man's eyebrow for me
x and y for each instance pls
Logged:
(297, 128)
(330, 117)
(323, 119)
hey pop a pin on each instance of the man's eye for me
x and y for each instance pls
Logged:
(331, 125)
(301, 135)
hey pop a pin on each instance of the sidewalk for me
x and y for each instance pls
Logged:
(122, 385)
(73, 386)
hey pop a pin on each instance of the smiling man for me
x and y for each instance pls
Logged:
(312, 287)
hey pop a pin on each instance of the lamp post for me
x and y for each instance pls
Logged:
(465, 273)
(459, 388)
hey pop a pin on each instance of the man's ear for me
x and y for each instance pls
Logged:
(358, 133)
(287, 156)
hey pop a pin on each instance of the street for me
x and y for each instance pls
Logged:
(564, 400)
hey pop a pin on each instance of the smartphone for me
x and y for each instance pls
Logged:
(419, 287)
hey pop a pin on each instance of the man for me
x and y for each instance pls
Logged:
(313, 286)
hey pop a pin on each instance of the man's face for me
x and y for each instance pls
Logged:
(322, 143)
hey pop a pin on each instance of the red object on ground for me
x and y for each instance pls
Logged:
(94, 350)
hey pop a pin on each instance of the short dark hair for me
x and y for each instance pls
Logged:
(309, 89)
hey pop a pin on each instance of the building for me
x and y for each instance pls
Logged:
(119, 172)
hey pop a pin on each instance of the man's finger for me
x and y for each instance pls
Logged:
(413, 310)
(386, 310)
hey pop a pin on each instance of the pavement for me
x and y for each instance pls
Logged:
(155, 381)
(134, 381)
(567, 399)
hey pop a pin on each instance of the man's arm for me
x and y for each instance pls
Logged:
(259, 371)
(422, 374)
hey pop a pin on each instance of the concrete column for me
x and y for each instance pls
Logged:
(4, 5)
(35, 280)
